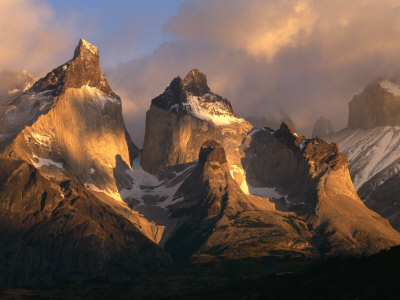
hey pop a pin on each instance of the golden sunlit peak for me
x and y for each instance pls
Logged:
(85, 45)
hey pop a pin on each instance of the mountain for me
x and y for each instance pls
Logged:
(311, 178)
(13, 84)
(377, 105)
(247, 192)
(297, 200)
(70, 121)
(64, 153)
(79, 200)
(322, 128)
(182, 118)
(54, 231)
(216, 218)
(372, 147)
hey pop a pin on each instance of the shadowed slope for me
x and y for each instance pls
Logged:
(313, 175)
(53, 232)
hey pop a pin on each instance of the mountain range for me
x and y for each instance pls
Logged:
(80, 201)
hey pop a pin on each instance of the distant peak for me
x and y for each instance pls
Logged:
(85, 49)
(195, 82)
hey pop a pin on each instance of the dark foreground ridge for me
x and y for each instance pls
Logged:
(374, 277)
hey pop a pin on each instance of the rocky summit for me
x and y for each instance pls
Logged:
(182, 118)
(377, 105)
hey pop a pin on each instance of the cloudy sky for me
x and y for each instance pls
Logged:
(305, 58)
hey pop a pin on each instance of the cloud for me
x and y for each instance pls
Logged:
(31, 37)
(305, 58)
(262, 28)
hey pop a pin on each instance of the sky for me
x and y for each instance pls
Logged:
(272, 58)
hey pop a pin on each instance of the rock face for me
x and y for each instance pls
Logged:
(217, 218)
(322, 128)
(377, 105)
(371, 143)
(70, 121)
(374, 162)
(309, 205)
(54, 231)
(64, 156)
(313, 178)
(182, 118)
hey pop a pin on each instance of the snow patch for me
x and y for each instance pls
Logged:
(39, 162)
(98, 95)
(174, 107)
(215, 112)
(303, 144)
(253, 132)
(391, 87)
(146, 185)
(369, 151)
(265, 192)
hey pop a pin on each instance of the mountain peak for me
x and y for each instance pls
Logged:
(377, 105)
(286, 134)
(82, 70)
(85, 49)
(195, 82)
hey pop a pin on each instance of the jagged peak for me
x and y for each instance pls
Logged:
(195, 82)
(288, 135)
(285, 129)
(192, 95)
(85, 49)
(212, 151)
(82, 70)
